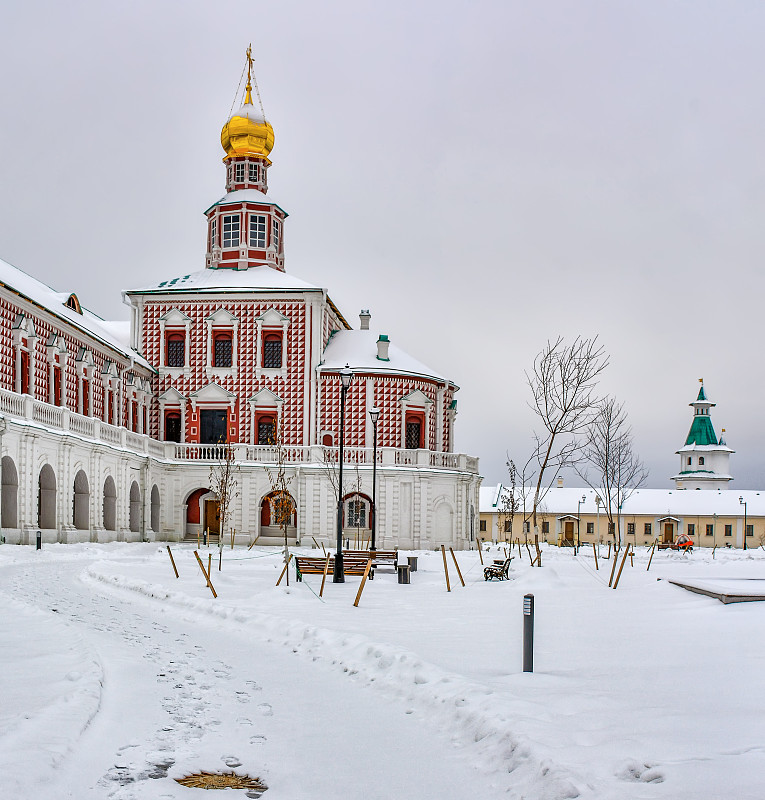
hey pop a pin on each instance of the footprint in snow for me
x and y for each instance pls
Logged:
(231, 761)
(266, 710)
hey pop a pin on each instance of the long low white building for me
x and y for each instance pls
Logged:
(717, 517)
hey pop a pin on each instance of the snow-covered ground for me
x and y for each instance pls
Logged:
(117, 677)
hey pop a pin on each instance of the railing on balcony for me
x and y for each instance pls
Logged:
(56, 417)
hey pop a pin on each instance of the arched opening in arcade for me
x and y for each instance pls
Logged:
(80, 502)
(155, 508)
(10, 494)
(202, 514)
(134, 517)
(46, 498)
(277, 511)
(110, 504)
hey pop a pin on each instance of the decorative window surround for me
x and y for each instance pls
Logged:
(24, 341)
(416, 401)
(139, 390)
(171, 400)
(56, 355)
(270, 321)
(261, 402)
(86, 368)
(111, 380)
(222, 320)
(171, 321)
(212, 396)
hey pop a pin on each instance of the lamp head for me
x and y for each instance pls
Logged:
(374, 414)
(346, 376)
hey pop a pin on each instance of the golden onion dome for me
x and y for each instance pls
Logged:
(247, 132)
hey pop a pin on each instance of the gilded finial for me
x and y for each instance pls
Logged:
(248, 88)
(701, 380)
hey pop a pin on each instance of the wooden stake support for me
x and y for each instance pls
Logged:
(459, 571)
(254, 543)
(528, 550)
(632, 563)
(324, 576)
(284, 570)
(653, 547)
(480, 550)
(172, 561)
(207, 576)
(619, 575)
(363, 581)
(324, 548)
(233, 534)
(595, 553)
(315, 542)
(209, 563)
(613, 567)
(446, 569)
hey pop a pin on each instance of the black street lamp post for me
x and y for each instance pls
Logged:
(374, 415)
(743, 503)
(578, 522)
(338, 575)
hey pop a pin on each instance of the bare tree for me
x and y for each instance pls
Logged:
(562, 384)
(282, 505)
(508, 502)
(224, 484)
(610, 465)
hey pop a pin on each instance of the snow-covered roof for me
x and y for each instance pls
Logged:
(115, 335)
(254, 279)
(647, 502)
(358, 349)
(705, 448)
(247, 196)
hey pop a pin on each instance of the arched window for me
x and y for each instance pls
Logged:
(701, 461)
(175, 351)
(272, 351)
(135, 508)
(278, 509)
(266, 429)
(223, 347)
(172, 426)
(46, 498)
(326, 440)
(357, 511)
(110, 504)
(80, 502)
(10, 493)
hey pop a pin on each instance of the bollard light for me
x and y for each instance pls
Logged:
(528, 633)
(39, 540)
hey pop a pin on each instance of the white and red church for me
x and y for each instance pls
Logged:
(109, 429)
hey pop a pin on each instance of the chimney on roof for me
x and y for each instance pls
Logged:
(383, 343)
(560, 481)
(364, 318)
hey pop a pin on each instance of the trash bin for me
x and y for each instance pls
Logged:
(403, 573)
(412, 563)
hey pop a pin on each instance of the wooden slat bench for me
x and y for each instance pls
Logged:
(498, 571)
(383, 558)
(306, 565)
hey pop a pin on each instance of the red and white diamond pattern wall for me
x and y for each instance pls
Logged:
(243, 381)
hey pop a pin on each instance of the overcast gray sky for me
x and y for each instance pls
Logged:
(482, 175)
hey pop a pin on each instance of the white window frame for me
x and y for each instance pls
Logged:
(239, 172)
(222, 320)
(235, 224)
(261, 221)
(253, 168)
(276, 234)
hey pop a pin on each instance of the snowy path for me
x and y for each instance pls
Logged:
(180, 694)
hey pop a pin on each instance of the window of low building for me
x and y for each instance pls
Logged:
(630, 528)
(508, 526)
(729, 530)
(750, 530)
(545, 527)
(647, 528)
(710, 530)
(482, 525)
(590, 527)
